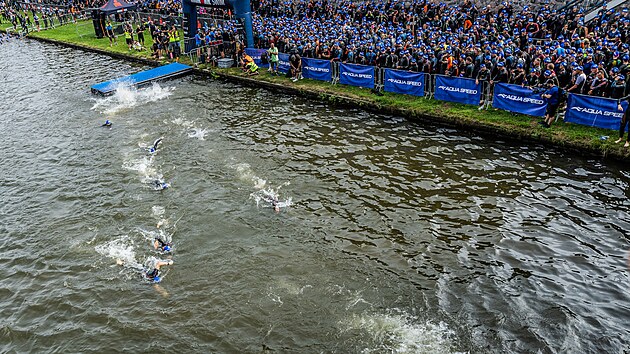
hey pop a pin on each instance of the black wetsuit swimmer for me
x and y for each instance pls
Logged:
(155, 145)
(163, 246)
(153, 275)
(159, 185)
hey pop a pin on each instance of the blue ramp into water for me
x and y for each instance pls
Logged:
(141, 78)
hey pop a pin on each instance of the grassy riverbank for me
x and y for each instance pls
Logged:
(469, 118)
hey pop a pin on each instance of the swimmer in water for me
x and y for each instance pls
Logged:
(274, 204)
(153, 274)
(154, 148)
(165, 247)
(159, 185)
(107, 124)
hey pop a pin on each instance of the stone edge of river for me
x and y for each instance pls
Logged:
(478, 127)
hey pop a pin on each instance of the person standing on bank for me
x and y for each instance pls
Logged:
(273, 59)
(624, 122)
(552, 95)
(109, 29)
(140, 33)
(296, 65)
(129, 37)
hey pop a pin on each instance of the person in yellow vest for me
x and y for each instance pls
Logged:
(251, 68)
(171, 42)
(245, 59)
(129, 37)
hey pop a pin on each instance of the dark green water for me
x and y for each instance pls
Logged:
(393, 237)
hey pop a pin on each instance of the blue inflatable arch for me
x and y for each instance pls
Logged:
(242, 10)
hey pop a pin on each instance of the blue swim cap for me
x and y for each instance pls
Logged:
(164, 185)
(167, 248)
(157, 279)
(151, 149)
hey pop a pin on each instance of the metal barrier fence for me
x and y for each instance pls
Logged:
(485, 90)
(429, 84)
(48, 22)
(210, 53)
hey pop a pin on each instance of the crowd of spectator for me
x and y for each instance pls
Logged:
(523, 46)
(162, 7)
(24, 15)
(499, 43)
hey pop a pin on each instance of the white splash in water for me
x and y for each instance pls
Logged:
(121, 249)
(400, 333)
(152, 235)
(182, 122)
(148, 174)
(246, 174)
(268, 198)
(198, 133)
(275, 298)
(157, 210)
(127, 97)
(143, 165)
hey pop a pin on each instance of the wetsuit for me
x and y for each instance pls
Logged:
(156, 143)
(153, 275)
(159, 185)
(624, 119)
(164, 246)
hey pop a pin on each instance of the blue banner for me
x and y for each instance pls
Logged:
(255, 54)
(514, 98)
(455, 89)
(283, 64)
(594, 111)
(316, 69)
(405, 82)
(356, 75)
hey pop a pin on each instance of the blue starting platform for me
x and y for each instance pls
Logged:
(142, 78)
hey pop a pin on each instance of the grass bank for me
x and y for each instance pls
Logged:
(489, 122)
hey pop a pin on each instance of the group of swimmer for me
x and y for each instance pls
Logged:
(163, 246)
(152, 273)
(157, 183)
(152, 269)
(162, 243)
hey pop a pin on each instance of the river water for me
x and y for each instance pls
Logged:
(392, 236)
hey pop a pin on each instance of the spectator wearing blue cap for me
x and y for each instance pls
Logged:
(404, 61)
(483, 75)
(552, 96)
(624, 121)
(590, 77)
(518, 76)
(618, 87)
(502, 75)
(469, 68)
